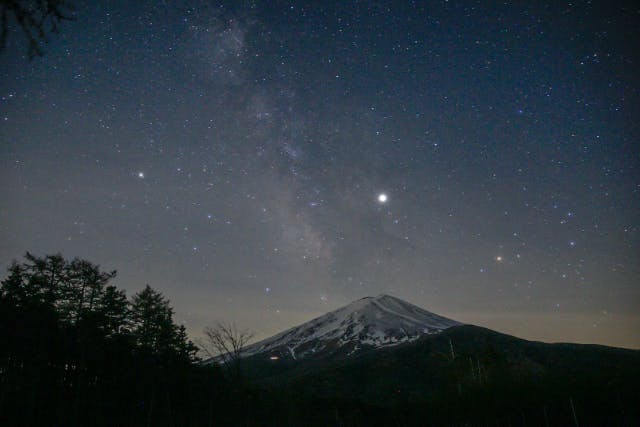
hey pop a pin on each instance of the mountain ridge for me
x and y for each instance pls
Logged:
(370, 322)
(461, 373)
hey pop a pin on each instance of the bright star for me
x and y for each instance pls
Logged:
(499, 258)
(382, 198)
(141, 175)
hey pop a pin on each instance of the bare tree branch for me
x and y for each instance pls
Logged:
(224, 344)
(35, 18)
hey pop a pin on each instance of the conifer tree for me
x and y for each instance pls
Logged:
(153, 327)
(84, 288)
(15, 289)
(114, 310)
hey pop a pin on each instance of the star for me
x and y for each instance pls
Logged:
(302, 192)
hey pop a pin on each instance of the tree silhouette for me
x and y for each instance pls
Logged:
(73, 346)
(114, 309)
(35, 19)
(224, 344)
(83, 289)
(153, 327)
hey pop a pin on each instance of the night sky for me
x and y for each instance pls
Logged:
(234, 155)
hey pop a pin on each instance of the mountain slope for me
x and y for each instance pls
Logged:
(368, 323)
(466, 375)
(348, 368)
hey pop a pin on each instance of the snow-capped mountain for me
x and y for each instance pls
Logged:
(370, 322)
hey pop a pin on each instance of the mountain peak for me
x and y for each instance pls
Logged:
(380, 296)
(370, 322)
(387, 297)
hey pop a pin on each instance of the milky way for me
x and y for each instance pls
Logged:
(266, 162)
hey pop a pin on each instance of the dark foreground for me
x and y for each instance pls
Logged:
(76, 352)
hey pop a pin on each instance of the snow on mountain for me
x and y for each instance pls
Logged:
(370, 322)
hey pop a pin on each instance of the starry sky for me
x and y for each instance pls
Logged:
(234, 156)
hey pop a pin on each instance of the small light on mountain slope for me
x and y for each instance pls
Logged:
(378, 322)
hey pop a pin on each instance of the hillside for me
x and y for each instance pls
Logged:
(465, 374)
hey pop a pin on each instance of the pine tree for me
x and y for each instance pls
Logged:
(114, 310)
(47, 274)
(151, 318)
(153, 328)
(36, 281)
(15, 289)
(84, 289)
(185, 348)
